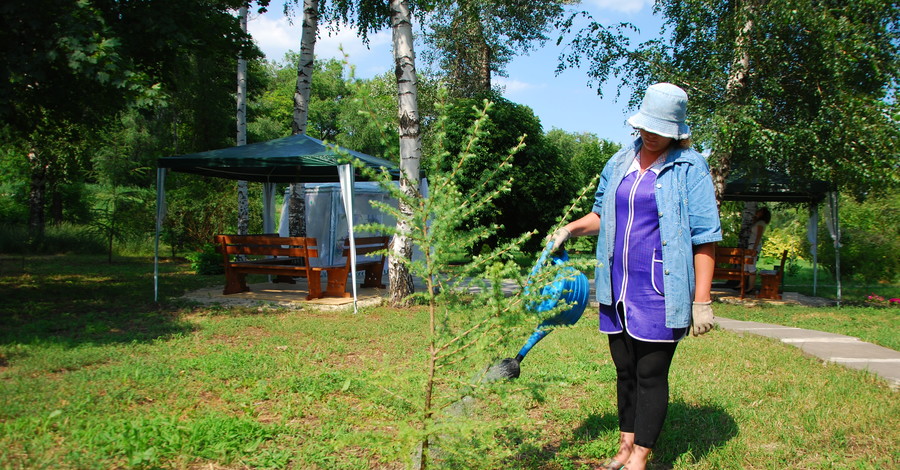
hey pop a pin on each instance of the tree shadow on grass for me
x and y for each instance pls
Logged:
(689, 429)
(70, 301)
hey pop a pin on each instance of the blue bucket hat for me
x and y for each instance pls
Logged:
(663, 111)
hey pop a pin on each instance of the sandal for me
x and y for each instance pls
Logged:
(612, 464)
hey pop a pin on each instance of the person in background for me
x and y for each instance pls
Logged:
(656, 216)
(760, 221)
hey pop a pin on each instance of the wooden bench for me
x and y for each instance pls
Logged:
(373, 248)
(290, 257)
(771, 280)
(293, 255)
(731, 265)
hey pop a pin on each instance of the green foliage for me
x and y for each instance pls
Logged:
(540, 182)
(13, 205)
(360, 114)
(121, 213)
(471, 40)
(206, 260)
(198, 208)
(870, 240)
(756, 74)
(587, 155)
(463, 327)
(58, 238)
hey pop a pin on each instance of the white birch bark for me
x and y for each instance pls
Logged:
(734, 87)
(297, 206)
(243, 222)
(401, 282)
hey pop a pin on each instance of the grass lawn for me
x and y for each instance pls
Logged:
(93, 374)
(800, 278)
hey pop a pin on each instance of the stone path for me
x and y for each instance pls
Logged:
(830, 347)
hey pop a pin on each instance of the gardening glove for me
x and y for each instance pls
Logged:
(702, 316)
(559, 237)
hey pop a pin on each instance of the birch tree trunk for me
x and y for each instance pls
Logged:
(410, 147)
(734, 92)
(243, 222)
(36, 197)
(297, 206)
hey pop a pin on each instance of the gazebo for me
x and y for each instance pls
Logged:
(295, 159)
(773, 186)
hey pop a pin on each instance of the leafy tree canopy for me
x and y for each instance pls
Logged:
(471, 39)
(806, 87)
(541, 184)
(83, 60)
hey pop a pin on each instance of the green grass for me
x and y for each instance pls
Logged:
(799, 278)
(93, 374)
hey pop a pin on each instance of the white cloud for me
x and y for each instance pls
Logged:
(514, 87)
(329, 44)
(275, 36)
(623, 6)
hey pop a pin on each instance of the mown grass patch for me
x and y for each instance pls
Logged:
(127, 383)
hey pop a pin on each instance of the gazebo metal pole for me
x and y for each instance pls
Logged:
(160, 211)
(345, 172)
(812, 234)
(837, 242)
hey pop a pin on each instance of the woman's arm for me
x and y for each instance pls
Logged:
(587, 225)
(704, 265)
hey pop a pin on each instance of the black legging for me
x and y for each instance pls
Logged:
(643, 385)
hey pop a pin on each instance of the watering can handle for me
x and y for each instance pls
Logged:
(541, 260)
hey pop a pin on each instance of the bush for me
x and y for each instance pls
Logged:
(541, 186)
(870, 240)
(206, 260)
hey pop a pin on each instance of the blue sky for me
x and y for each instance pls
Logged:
(564, 101)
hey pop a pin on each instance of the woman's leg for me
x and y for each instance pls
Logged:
(621, 349)
(652, 403)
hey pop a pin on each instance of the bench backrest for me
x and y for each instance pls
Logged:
(731, 261)
(266, 245)
(780, 269)
(366, 246)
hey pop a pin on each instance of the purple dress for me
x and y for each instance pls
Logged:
(637, 268)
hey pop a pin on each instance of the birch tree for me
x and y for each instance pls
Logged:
(401, 282)
(297, 207)
(243, 222)
(801, 87)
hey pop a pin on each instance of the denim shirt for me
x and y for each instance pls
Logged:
(688, 216)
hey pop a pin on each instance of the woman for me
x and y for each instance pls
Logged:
(656, 216)
(760, 221)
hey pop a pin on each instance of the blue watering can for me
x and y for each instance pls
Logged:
(568, 285)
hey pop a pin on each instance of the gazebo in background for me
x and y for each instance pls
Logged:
(772, 186)
(295, 159)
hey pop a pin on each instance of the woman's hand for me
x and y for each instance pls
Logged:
(559, 237)
(702, 318)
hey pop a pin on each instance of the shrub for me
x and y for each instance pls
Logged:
(206, 260)
(870, 240)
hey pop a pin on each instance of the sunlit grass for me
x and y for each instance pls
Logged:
(93, 374)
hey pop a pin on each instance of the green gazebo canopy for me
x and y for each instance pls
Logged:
(293, 159)
(772, 185)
